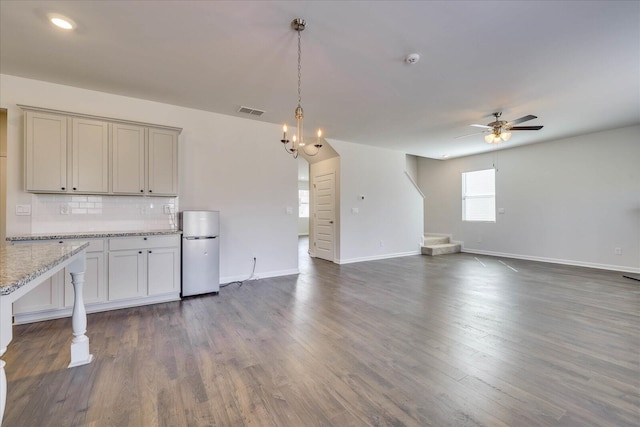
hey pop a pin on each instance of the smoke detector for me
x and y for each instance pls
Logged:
(412, 58)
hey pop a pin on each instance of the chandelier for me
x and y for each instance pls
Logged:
(297, 142)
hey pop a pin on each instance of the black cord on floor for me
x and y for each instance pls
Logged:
(241, 282)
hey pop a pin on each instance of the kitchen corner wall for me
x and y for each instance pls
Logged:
(226, 163)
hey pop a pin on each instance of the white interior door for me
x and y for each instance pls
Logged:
(324, 215)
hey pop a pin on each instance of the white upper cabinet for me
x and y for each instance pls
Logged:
(45, 152)
(128, 170)
(90, 156)
(163, 162)
(82, 154)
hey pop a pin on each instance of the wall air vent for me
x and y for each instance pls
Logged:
(252, 111)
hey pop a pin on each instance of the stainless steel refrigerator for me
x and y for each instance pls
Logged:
(200, 252)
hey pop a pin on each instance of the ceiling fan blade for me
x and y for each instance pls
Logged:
(522, 119)
(481, 126)
(526, 128)
(471, 134)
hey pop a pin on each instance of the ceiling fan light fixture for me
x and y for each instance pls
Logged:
(505, 136)
(493, 138)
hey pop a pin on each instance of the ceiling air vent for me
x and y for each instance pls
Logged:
(251, 111)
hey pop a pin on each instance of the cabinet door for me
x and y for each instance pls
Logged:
(128, 159)
(90, 156)
(94, 283)
(45, 152)
(163, 270)
(163, 162)
(46, 296)
(127, 274)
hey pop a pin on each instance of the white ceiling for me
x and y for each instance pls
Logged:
(574, 64)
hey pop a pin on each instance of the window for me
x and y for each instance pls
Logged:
(303, 203)
(479, 195)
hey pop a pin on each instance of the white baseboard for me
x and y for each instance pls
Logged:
(555, 261)
(20, 319)
(377, 257)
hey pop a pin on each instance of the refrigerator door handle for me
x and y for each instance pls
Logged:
(200, 237)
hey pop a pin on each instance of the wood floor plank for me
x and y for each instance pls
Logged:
(413, 341)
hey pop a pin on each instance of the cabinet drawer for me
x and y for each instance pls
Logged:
(143, 242)
(94, 245)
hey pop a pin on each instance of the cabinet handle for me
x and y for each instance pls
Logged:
(74, 188)
(145, 238)
(60, 241)
(139, 252)
(150, 191)
(62, 188)
(142, 191)
(150, 251)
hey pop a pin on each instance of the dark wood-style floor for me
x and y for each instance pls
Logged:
(415, 341)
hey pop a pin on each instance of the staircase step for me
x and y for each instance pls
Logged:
(441, 249)
(435, 240)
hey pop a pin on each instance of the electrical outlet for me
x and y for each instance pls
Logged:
(64, 209)
(617, 251)
(381, 243)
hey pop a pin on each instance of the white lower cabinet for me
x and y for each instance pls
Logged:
(57, 292)
(94, 288)
(163, 271)
(127, 274)
(43, 298)
(144, 266)
(120, 272)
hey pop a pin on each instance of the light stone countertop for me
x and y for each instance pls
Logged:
(90, 235)
(22, 263)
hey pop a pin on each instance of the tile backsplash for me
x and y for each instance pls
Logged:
(70, 213)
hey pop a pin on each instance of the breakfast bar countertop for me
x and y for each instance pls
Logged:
(90, 235)
(21, 264)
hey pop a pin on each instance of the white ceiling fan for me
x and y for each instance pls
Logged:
(500, 130)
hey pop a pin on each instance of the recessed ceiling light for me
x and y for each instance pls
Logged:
(61, 21)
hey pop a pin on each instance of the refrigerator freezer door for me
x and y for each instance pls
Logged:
(200, 266)
(200, 223)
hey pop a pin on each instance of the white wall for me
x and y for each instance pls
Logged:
(568, 201)
(389, 221)
(303, 222)
(226, 163)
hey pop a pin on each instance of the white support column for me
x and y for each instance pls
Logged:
(80, 344)
(6, 334)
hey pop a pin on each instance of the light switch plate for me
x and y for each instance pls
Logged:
(23, 210)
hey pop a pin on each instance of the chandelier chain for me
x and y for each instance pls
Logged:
(299, 68)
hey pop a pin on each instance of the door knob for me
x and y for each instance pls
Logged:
(330, 222)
